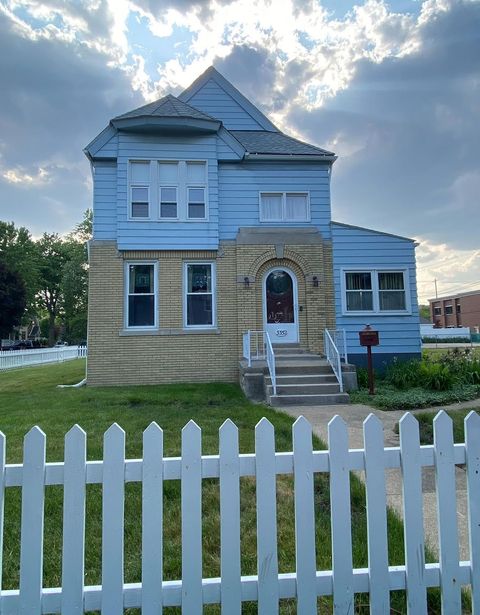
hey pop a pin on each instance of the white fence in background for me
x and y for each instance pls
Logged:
(10, 359)
(445, 332)
(304, 584)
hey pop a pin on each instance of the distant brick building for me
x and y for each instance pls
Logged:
(461, 310)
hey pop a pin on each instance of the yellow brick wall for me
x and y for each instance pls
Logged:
(117, 357)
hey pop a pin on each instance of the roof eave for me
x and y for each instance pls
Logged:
(143, 122)
(291, 157)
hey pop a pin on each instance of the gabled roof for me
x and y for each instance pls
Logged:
(371, 230)
(250, 108)
(276, 143)
(168, 106)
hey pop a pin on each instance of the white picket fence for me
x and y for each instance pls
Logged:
(9, 359)
(305, 583)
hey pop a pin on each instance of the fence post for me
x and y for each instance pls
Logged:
(472, 454)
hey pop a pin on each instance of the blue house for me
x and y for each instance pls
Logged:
(214, 256)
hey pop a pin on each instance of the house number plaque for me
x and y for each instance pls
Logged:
(281, 332)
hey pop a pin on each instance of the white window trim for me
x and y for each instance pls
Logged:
(283, 194)
(204, 202)
(126, 294)
(213, 293)
(182, 190)
(165, 218)
(375, 290)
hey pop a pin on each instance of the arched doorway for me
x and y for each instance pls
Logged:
(280, 305)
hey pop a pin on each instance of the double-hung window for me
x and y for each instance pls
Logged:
(139, 189)
(199, 301)
(284, 207)
(195, 184)
(168, 184)
(375, 291)
(141, 295)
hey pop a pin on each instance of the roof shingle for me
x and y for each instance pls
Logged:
(168, 106)
(265, 142)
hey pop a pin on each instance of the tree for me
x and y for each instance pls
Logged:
(12, 298)
(17, 249)
(52, 258)
(424, 311)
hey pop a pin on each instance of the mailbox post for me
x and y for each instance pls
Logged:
(369, 337)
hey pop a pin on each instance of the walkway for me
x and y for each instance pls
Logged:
(354, 415)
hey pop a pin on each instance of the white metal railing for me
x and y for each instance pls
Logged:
(10, 359)
(305, 583)
(271, 361)
(254, 346)
(333, 357)
(339, 337)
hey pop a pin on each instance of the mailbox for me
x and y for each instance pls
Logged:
(369, 337)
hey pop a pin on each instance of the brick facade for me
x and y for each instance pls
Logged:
(172, 354)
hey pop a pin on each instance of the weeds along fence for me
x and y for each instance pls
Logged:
(305, 583)
(10, 359)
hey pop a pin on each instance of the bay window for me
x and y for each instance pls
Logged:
(375, 291)
(199, 300)
(170, 190)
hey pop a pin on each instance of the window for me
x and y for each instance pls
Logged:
(448, 310)
(284, 207)
(180, 187)
(199, 307)
(375, 291)
(359, 291)
(391, 290)
(141, 294)
(437, 311)
(139, 189)
(459, 309)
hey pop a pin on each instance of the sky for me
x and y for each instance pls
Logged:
(392, 87)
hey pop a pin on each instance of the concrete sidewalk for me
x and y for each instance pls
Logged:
(354, 415)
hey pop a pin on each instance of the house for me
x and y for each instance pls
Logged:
(209, 222)
(460, 310)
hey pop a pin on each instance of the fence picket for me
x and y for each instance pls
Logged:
(73, 552)
(379, 582)
(341, 522)
(472, 454)
(152, 520)
(231, 589)
(2, 503)
(33, 499)
(267, 558)
(305, 554)
(191, 519)
(413, 515)
(113, 520)
(447, 513)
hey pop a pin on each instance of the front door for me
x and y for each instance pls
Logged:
(280, 306)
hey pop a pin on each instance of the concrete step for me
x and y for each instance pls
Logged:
(304, 389)
(309, 400)
(285, 345)
(303, 379)
(291, 368)
(287, 352)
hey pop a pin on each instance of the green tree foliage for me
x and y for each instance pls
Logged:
(424, 311)
(17, 249)
(12, 298)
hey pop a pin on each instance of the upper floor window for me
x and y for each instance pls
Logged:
(437, 311)
(139, 189)
(449, 310)
(375, 291)
(284, 207)
(181, 187)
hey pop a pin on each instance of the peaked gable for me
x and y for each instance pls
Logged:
(214, 95)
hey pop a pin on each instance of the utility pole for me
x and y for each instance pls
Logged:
(436, 291)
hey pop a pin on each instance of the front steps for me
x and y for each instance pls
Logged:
(303, 379)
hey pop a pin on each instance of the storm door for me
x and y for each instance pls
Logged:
(280, 306)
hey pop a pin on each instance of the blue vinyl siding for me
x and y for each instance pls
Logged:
(109, 150)
(240, 185)
(104, 200)
(356, 248)
(214, 101)
(138, 235)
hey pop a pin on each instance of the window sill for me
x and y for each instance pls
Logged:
(383, 313)
(165, 331)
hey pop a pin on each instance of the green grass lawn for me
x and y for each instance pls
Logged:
(29, 397)
(425, 420)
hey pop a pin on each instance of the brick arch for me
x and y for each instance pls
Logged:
(270, 256)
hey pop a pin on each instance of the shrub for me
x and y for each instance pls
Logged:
(445, 340)
(362, 377)
(403, 374)
(435, 376)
